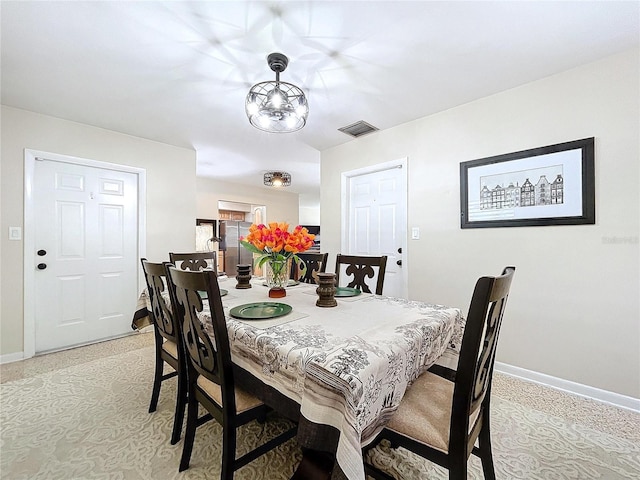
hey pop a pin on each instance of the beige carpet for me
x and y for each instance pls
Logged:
(89, 421)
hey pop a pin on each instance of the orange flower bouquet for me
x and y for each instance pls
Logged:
(277, 247)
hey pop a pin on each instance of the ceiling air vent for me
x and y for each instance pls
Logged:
(358, 129)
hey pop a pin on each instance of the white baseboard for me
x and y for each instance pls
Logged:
(597, 394)
(11, 357)
(16, 357)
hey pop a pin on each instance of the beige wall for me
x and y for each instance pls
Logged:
(282, 206)
(171, 201)
(574, 309)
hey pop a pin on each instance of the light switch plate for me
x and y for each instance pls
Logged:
(415, 233)
(15, 233)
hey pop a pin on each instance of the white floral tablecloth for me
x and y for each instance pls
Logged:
(347, 366)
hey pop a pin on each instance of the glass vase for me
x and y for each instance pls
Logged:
(276, 274)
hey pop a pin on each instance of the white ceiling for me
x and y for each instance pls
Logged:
(178, 72)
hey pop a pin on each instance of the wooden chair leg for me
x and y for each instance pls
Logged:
(157, 382)
(458, 470)
(228, 452)
(189, 435)
(181, 399)
(486, 455)
(487, 467)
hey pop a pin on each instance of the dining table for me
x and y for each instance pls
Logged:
(340, 371)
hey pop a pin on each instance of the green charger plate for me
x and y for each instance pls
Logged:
(204, 295)
(346, 292)
(260, 310)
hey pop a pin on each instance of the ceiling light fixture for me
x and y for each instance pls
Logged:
(277, 107)
(277, 179)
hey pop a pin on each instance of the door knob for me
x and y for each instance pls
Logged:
(400, 250)
(399, 262)
(42, 266)
(42, 253)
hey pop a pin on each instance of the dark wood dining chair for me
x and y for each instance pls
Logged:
(311, 265)
(195, 261)
(169, 347)
(361, 267)
(210, 372)
(441, 417)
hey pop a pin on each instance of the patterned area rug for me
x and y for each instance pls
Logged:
(530, 445)
(90, 421)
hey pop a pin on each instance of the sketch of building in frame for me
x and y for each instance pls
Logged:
(515, 189)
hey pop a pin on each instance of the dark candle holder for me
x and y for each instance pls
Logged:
(326, 290)
(244, 276)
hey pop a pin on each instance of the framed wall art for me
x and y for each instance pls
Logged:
(552, 185)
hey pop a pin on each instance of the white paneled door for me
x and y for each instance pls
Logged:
(375, 221)
(86, 249)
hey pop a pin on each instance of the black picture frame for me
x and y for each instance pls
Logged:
(512, 190)
(207, 221)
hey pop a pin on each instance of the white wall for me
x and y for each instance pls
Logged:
(574, 309)
(310, 215)
(310, 208)
(171, 198)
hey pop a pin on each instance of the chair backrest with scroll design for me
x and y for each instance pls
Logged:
(311, 265)
(361, 267)
(195, 261)
(169, 347)
(210, 375)
(161, 315)
(478, 353)
(213, 361)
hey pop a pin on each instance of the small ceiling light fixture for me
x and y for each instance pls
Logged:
(277, 107)
(277, 179)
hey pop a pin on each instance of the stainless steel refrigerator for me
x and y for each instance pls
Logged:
(233, 253)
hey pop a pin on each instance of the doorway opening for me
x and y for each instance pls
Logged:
(235, 218)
